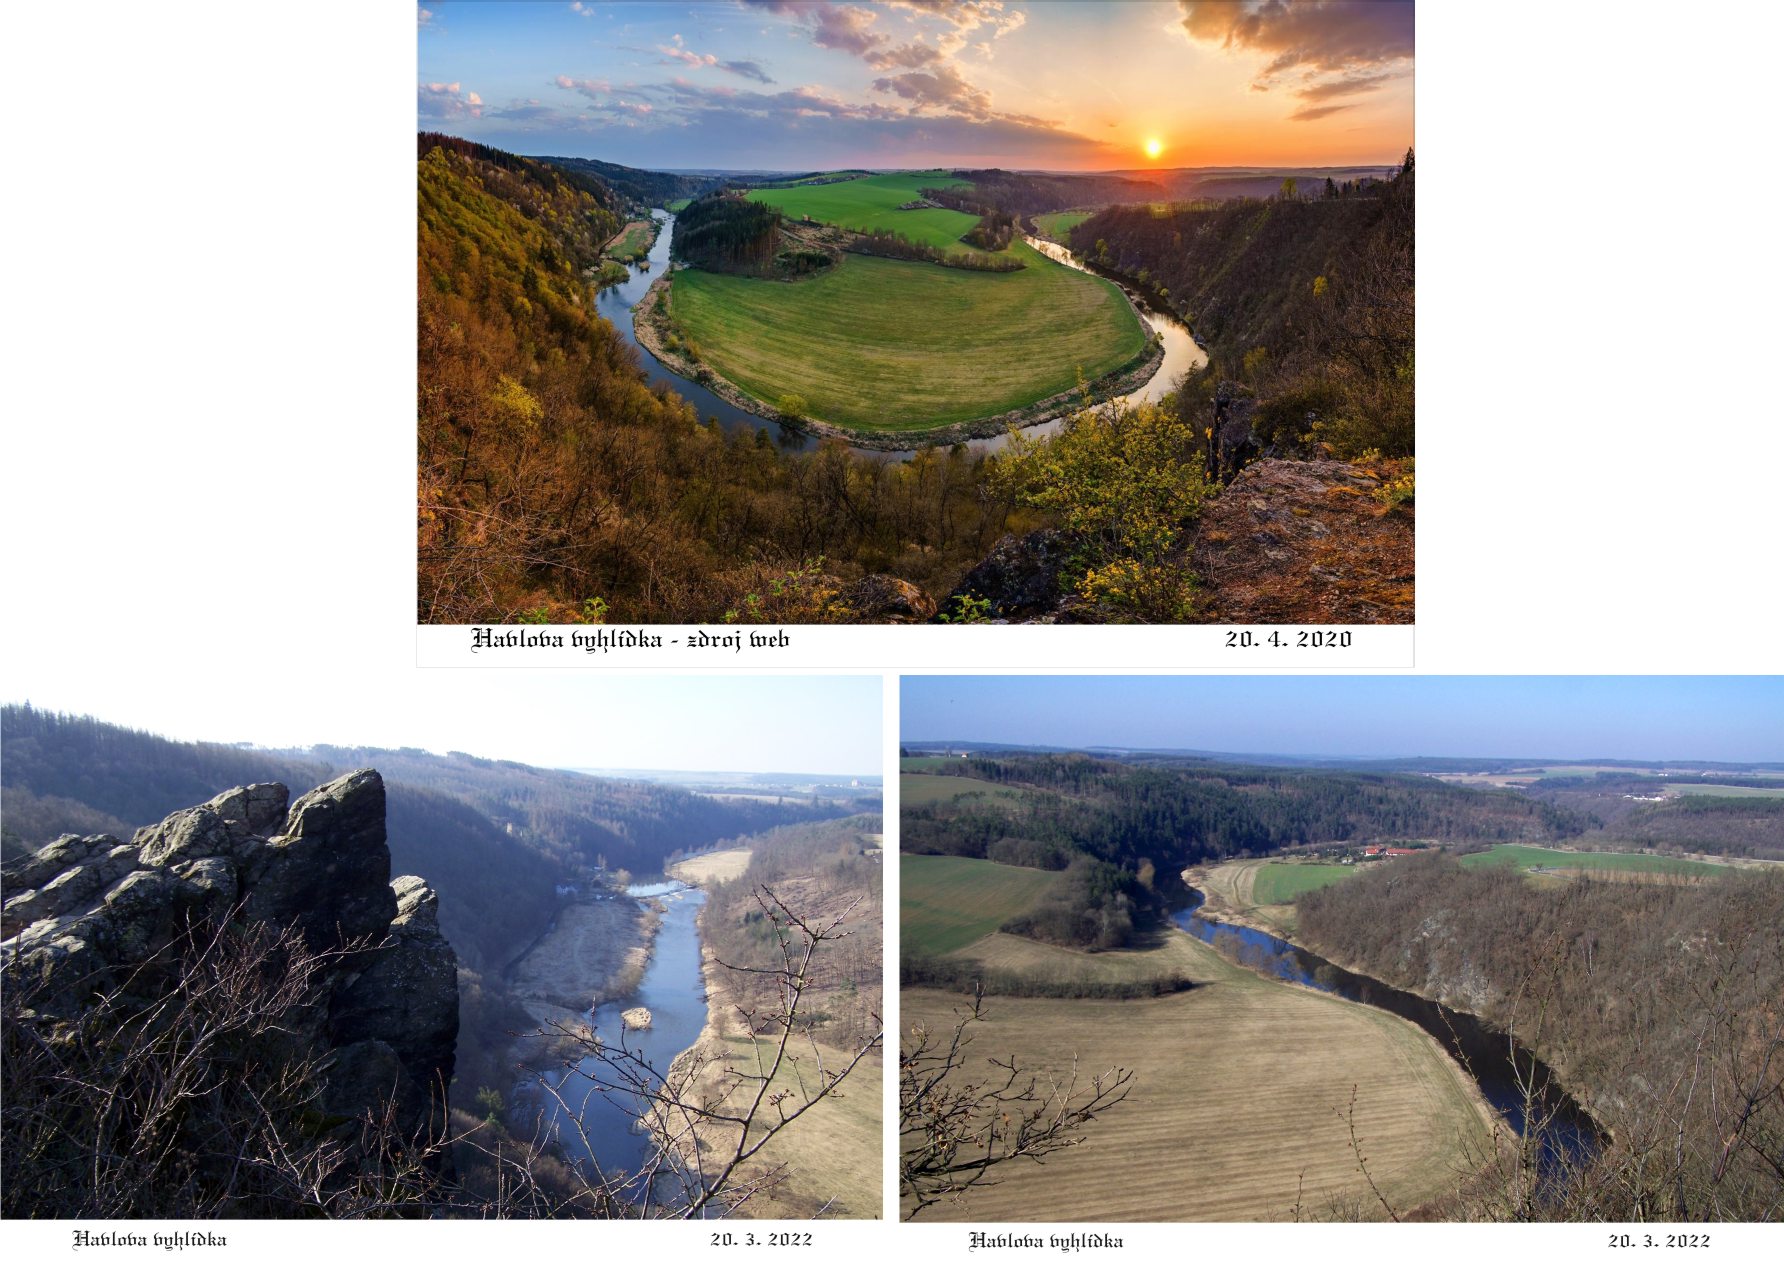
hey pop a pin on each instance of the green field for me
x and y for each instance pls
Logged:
(1059, 224)
(1525, 857)
(872, 202)
(888, 344)
(924, 763)
(1278, 884)
(930, 788)
(677, 205)
(946, 903)
(632, 243)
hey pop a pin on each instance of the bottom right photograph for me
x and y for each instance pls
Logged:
(1364, 948)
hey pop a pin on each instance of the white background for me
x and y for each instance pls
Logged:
(208, 452)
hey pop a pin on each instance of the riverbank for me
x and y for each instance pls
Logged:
(594, 952)
(651, 328)
(827, 1165)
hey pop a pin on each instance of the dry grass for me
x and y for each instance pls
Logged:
(1239, 1091)
(1230, 889)
(1174, 955)
(712, 867)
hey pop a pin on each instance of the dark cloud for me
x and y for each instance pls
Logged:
(911, 56)
(847, 28)
(1330, 88)
(1308, 113)
(941, 89)
(746, 70)
(1315, 36)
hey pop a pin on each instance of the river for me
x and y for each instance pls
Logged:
(1496, 1062)
(616, 302)
(674, 991)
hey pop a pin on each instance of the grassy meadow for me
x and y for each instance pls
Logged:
(1525, 857)
(1059, 224)
(890, 344)
(633, 243)
(872, 202)
(1262, 893)
(935, 788)
(1278, 884)
(946, 903)
(1238, 1100)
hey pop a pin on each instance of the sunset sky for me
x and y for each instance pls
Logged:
(805, 84)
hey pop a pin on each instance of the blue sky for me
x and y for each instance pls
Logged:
(805, 84)
(557, 718)
(1656, 718)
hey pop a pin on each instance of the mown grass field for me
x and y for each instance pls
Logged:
(1171, 957)
(1262, 893)
(677, 205)
(1058, 224)
(872, 202)
(1278, 884)
(889, 344)
(946, 903)
(1525, 857)
(1239, 1096)
(935, 788)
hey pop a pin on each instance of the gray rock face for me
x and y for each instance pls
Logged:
(1019, 577)
(87, 914)
(328, 874)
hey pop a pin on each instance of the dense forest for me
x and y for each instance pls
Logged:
(1660, 1005)
(554, 484)
(1307, 301)
(726, 232)
(638, 188)
(1035, 193)
(1177, 817)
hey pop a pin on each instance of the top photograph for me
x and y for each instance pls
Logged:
(926, 311)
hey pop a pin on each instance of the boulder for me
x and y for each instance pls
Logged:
(407, 996)
(885, 599)
(1019, 577)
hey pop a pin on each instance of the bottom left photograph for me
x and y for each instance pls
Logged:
(609, 949)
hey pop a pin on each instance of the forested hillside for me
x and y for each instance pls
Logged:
(638, 188)
(1658, 1004)
(555, 484)
(1176, 817)
(1305, 298)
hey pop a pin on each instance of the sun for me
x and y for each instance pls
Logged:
(1154, 147)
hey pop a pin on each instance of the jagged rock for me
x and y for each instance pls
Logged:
(87, 914)
(408, 995)
(1020, 577)
(328, 874)
(53, 858)
(885, 599)
(1303, 542)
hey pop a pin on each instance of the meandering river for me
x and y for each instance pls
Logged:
(1498, 1064)
(616, 302)
(674, 992)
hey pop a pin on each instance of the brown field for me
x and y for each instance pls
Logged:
(1173, 955)
(712, 867)
(1238, 1105)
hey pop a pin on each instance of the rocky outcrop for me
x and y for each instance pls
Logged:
(91, 917)
(1304, 542)
(885, 599)
(1019, 578)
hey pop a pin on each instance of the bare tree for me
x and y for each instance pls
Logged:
(957, 1128)
(708, 1118)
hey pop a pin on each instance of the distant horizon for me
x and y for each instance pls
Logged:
(820, 725)
(1314, 757)
(1574, 719)
(806, 85)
